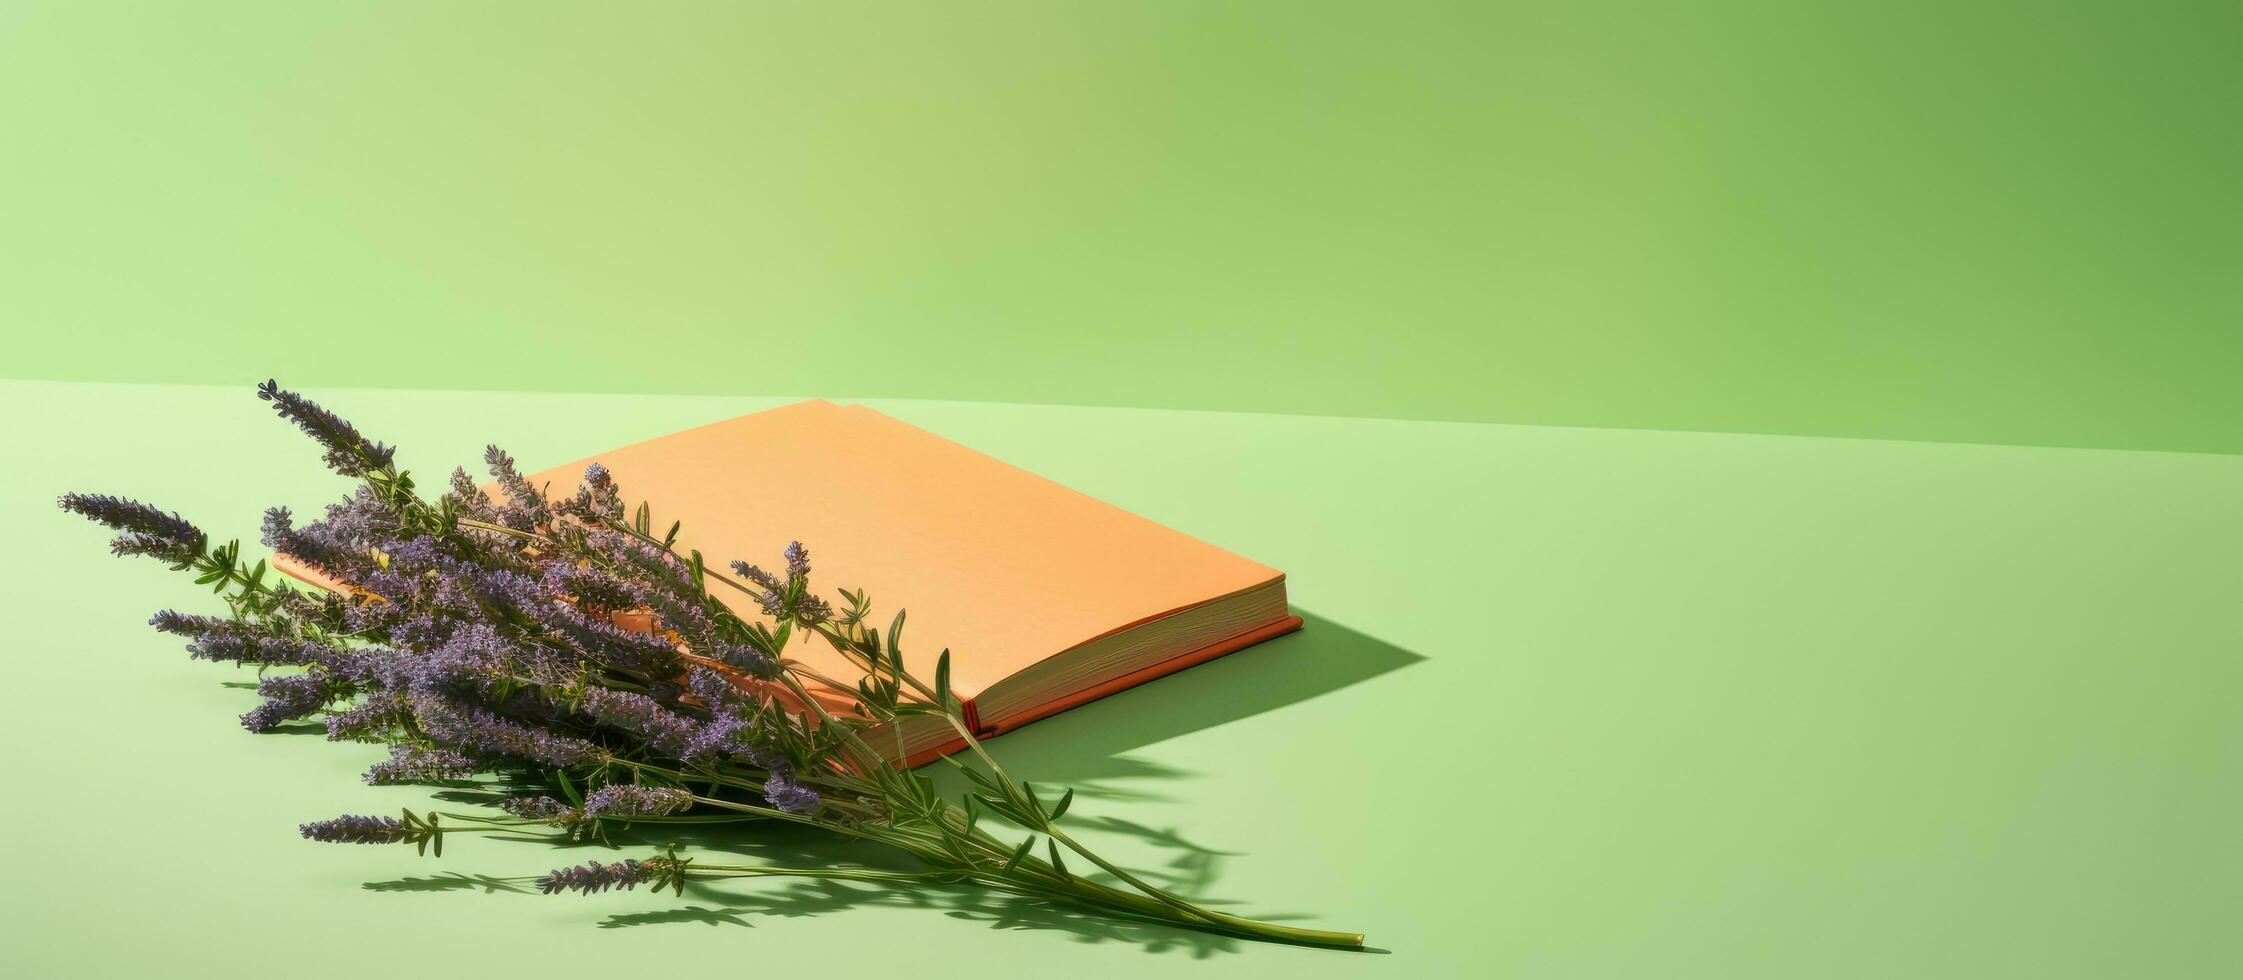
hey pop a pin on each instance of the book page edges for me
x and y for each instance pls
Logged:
(1111, 687)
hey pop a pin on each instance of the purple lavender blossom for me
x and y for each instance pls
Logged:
(421, 571)
(423, 631)
(420, 764)
(622, 801)
(526, 508)
(348, 452)
(658, 581)
(477, 731)
(124, 514)
(783, 793)
(798, 560)
(369, 720)
(588, 587)
(746, 658)
(356, 830)
(764, 580)
(318, 545)
(811, 610)
(544, 808)
(142, 529)
(725, 735)
(287, 697)
(186, 624)
(598, 498)
(278, 526)
(469, 498)
(363, 519)
(234, 643)
(663, 730)
(716, 693)
(604, 642)
(597, 877)
(774, 604)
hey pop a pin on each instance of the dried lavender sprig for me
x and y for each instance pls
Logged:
(420, 764)
(667, 731)
(126, 514)
(755, 573)
(622, 801)
(478, 731)
(141, 529)
(598, 498)
(287, 698)
(544, 808)
(352, 829)
(594, 877)
(187, 624)
(786, 795)
(526, 507)
(348, 452)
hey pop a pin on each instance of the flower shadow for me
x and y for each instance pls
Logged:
(741, 902)
(1090, 749)
(741, 905)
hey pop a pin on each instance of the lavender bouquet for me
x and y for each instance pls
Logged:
(563, 655)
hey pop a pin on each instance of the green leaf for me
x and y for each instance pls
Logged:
(942, 678)
(1057, 864)
(672, 537)
(895, 637)
(973, 814)
(1064, 799)
(643, 521)
(1018, 853)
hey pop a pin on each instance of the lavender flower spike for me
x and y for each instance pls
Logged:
(752, 573)
(527, 508)
(622, 801)
(544, 808)
(356, 830)
(287, 697)
(599, 498)
(418, 764)
(187, 624)
(472, 730)
(142, 529)
(596, 877)
(784, 794)
(348, 452)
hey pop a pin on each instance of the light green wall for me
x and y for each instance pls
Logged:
(1973, 222)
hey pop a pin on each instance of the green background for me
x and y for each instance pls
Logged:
(1984, 222)
(1397, 298)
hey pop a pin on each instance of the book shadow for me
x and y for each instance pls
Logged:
(1089, 747)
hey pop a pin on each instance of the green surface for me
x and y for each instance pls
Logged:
(1572, 702)
(1979, 222)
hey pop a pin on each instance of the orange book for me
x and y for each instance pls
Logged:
(1045, 597)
